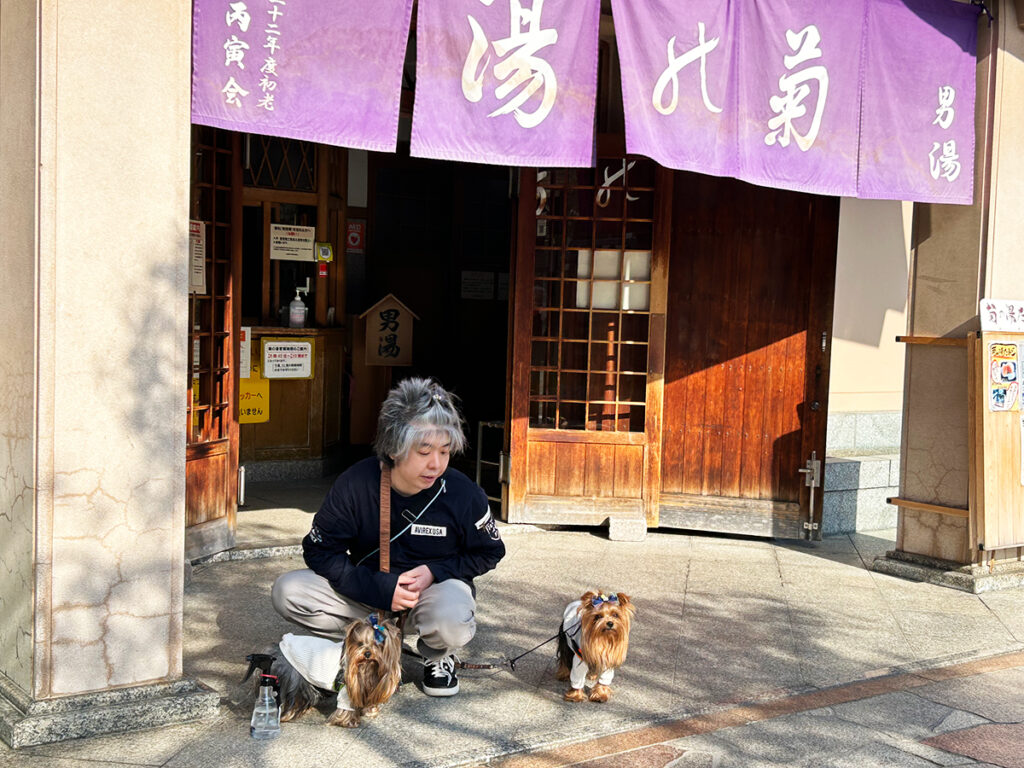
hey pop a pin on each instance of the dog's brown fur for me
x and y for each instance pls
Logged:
(373, 672)
(604, 643)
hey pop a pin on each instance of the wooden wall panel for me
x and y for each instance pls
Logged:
(334, 399)
(755, 382)
(570, 469)
(629, 476)
(540, 470)
(204, 486)
(735, 368)
(999, 484)
(789, 484)
(599, 479)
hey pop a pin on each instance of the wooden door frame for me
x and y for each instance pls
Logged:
(218, 534)
(660, 261)
(522, 312)
(819, 353)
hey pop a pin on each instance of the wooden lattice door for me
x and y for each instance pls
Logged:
(588, 342)
(211, 469)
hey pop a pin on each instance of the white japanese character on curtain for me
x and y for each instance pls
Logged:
(232, 91)
(238, 13)
(946, 165)
(522, 69)
(944, 114)
(676, 64)
(234, 51)
(789, 107)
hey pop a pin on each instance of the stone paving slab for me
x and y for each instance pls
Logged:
(860, 725)
(722, 622)
(1001, 745)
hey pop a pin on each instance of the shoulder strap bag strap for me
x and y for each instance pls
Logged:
(385, 518)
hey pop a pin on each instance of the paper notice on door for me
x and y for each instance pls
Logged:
(244, 358)
(197, 256)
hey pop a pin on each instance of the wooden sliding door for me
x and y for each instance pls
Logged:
(588, 344)
(746, 380)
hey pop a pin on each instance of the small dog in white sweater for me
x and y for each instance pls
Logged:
(364, 670)
(592, 643)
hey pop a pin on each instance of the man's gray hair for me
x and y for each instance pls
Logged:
(413, 411)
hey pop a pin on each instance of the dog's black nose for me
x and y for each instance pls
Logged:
(610, 624)
(367, 655)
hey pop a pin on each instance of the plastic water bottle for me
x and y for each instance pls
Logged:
(266, 715)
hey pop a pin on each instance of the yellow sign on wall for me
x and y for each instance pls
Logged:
(253, 397)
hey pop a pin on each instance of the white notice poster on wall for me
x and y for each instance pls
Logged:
(287, 358)
(197, 256)
(292, 243)
(244, 361)
(1002, 315)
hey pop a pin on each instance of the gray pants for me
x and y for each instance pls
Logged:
(444, 617)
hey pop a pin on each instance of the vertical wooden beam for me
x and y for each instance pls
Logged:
(233, 323)
(340, 237)
(506, 438)
(323, 171)
(976, 454)
(265, 303)
(526, 238)
(653, 426)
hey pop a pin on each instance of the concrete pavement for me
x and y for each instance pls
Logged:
(744, 653)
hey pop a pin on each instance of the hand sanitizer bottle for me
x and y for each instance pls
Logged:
(296, 312)
(266, 715)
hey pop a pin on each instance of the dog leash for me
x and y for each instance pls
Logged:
(511, 662)
(458, 664)
(385, 567)
(561, 631)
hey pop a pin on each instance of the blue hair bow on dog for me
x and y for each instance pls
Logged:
(603, 598)
(378, 631)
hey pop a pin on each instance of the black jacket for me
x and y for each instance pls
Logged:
(456, 536)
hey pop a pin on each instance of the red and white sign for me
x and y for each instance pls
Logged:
(355, 238)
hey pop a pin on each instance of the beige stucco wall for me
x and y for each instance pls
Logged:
(1004, 277)
(872, 264)
(100, 271)
(17, 342)
(962, 253)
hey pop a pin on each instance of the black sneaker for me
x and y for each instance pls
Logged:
(439, 678)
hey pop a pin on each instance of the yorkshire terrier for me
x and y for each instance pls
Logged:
(365, 670)
(592, 643)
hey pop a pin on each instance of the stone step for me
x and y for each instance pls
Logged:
(856, 489)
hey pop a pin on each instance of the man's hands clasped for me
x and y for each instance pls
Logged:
(410, 585)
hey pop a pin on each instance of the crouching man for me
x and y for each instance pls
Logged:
(441, 529)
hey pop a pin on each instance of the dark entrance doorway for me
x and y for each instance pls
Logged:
(440, 240)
